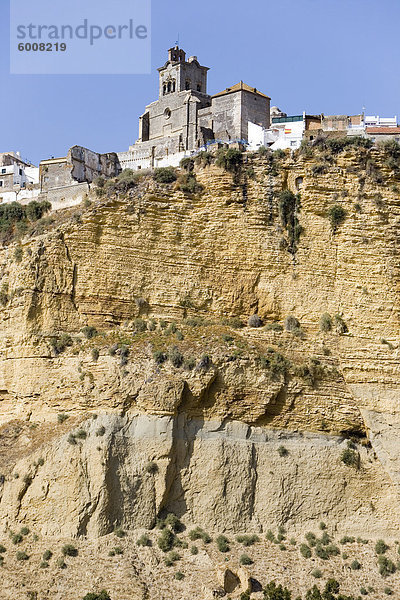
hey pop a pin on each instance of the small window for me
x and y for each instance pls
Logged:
(3, 170)
(1, 183)
(187, 84)
(198, 87)
(167, 113)
(20, 171)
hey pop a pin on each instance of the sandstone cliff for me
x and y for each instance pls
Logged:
(247, 430)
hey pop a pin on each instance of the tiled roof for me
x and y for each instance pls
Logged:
(241, 86)
(387, 130)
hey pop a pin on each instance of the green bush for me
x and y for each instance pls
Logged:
(188, 184)
(337, 216)
(61, 417)
(164, 175)
(276, 592)
(305, 551)
(350, 458)
(388, 591)
(175, 357)
(316, 573)
(355, 565)
(386, 566)
(95, 354)
(381, 547)
(321, 552)
(199, 534)
(69, 550)
(245, 560)
(103, 595)
(2, 549)
(229, 159)
(194, 550)
(282, 451)
(144, 540)
(222, 543)
(166, 540)
(22, 555)
(152, 468)
(276, 364)
(89, 332)
(16, 538)
(119, 532)
(179, 575)
(247, 540)
(289, 209)
(204, 158)
(325, 323)
(59, 344)
(173, 522)
(100, 431)
(47, 554)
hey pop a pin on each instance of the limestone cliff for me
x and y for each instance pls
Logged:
(246, 429)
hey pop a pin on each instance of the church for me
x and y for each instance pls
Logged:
(185, 118)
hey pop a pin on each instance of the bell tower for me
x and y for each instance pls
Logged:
(179, 74)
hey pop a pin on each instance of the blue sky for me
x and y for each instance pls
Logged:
(331, 56)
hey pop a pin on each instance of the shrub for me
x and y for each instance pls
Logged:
(16, 538)
(59, 344)
(71, 439)
(95, 354)
(276, 364)
(119, 532)
(164, 175)
(152, 468)
(44, 564)
(386, 566)
(166, 540)
(332, 550)
(199, 534)
(332, 586)
(336, 215)
(222, 543)
(47, 554)
(381, 547)
(355, 565)
(363, 591)
(140, 325)
(204, 158)
(81, 434)
(276, 592)
(325, 323)
(204, 363)
(321, 552)
(229, 159)
(89, 332)
(289, 209)
(103, 595)
(2, 549)
(194, 550)
(282, 451)
(275, 326)
(340, 324)
(118, 550)
(305, 551)
(247, 540)
(175, 356)
(245, 560)
(179, 575)
(388, 591)
(188, 184)
(233, 322)
(254, 321)
(144, 540)
(316, 573)
(100, 431)
(350, 458)
(18, 254)
(69, 550)
(291, 323)
(22, 555)
(173, 522)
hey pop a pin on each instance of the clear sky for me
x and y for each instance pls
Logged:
(331, 56)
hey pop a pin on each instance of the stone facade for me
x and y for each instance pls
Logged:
(185, 117)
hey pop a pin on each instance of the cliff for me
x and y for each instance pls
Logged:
(128, 389)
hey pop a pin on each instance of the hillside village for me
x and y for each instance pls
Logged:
(184, 121)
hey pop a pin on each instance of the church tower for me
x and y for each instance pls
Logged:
(179, 74)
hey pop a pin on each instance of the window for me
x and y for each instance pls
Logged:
(169, 87)
(187, 84)
(198, 87)
(3, 170)
(1, 183)
(20, 171)
(173, 86)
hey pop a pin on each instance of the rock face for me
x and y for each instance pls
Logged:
(251, 436)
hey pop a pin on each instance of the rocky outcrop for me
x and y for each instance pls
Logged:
(213, 430)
